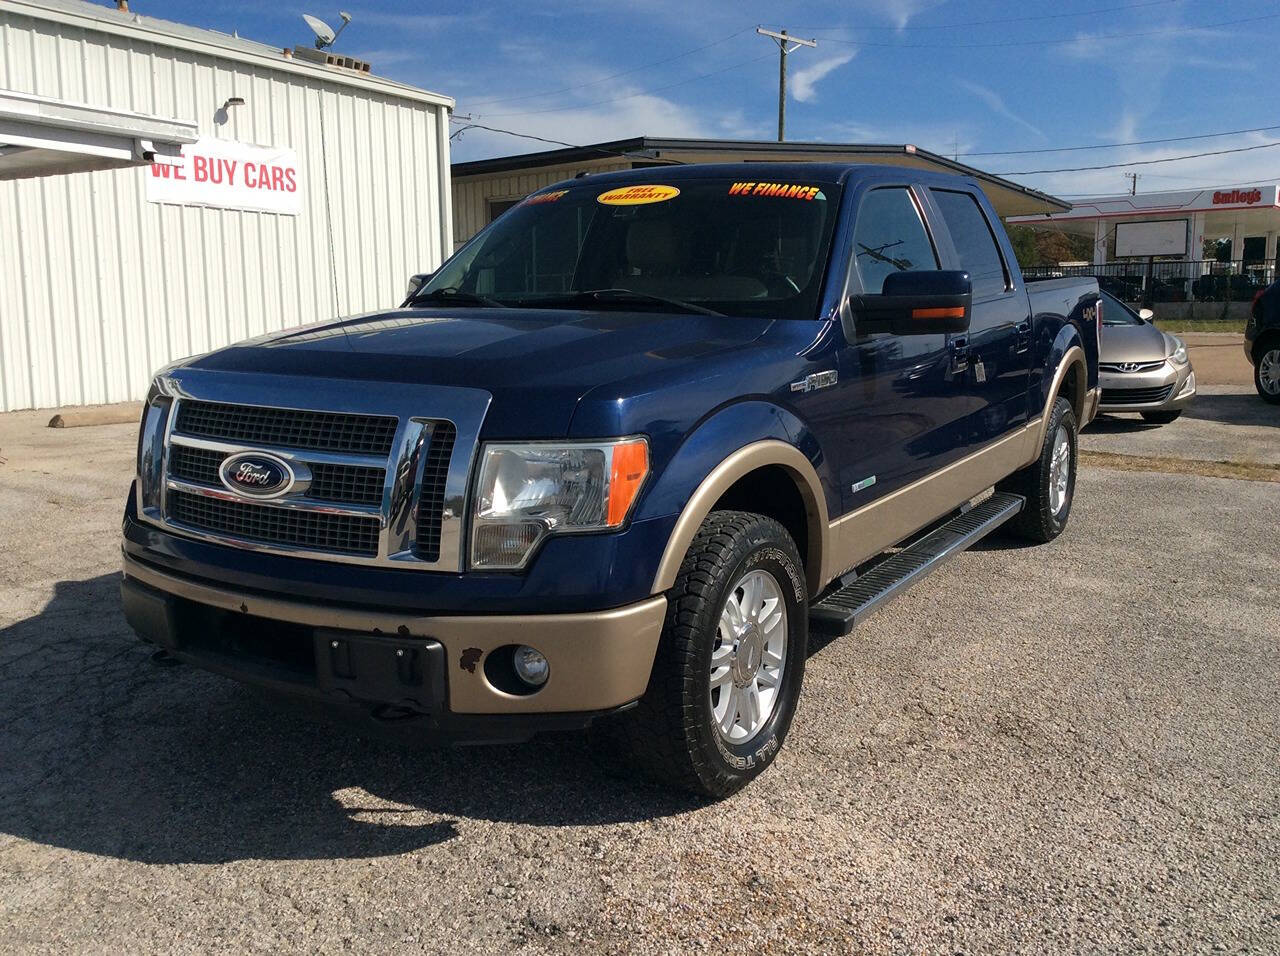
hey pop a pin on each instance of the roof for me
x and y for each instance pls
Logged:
(104, 19)
(757, 172)
(1263, 195)
(40, 135)
(649, 149)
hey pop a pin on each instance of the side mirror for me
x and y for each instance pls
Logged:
(917, 303)
(1146, 315)
(416, 282)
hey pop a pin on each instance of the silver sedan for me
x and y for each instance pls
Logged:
(1142, 369)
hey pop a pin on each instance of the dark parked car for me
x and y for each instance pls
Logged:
(1262, 342)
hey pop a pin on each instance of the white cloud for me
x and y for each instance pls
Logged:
(997, 105)
(803, 83)
(899, 12)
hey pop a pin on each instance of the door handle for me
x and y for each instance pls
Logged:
(959, 348)
(1023, 337)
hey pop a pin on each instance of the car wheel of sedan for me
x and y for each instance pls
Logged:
(1161, 418)
(1049, 483)
(729, 664)
(1266, 374)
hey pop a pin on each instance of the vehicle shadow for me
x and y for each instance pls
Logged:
(103, 751)
(1244, 408)
(1106, 424)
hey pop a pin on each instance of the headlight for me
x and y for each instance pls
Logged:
(1179, 356)
(526, 492)
(155, 419)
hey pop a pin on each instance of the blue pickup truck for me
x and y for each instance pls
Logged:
(615, 460)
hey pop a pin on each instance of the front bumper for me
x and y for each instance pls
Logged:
(441, 668)
(1166, 388)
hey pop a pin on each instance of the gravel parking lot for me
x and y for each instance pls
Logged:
(1074, 746)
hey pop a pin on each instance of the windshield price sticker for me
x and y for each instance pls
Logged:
(637, 195)
(777, 190)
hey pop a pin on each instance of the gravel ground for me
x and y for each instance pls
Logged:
(1070, 747)
(1222, 423)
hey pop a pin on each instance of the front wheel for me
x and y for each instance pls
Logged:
(1048, 483)
(729, 665)
(1266, 374)
(1161, 418)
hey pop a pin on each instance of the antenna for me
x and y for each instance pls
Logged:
(325, 35)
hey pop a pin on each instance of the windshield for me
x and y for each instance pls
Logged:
(747, 249)
(1115, 312)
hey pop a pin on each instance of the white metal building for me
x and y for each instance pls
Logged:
(484, 189)
(302, 191)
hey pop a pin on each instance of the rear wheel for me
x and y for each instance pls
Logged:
(1266, 373)
(1049, 482)
(730, 663)
(1161, 418)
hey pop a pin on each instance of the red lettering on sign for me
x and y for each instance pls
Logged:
(1233, 196)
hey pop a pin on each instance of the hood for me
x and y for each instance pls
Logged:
(1133, 343)
(537, 364)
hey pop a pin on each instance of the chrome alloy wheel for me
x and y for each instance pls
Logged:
(1269, 371)
(1059, 470)
(748, 657)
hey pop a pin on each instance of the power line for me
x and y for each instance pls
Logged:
(1139, 142)
(1138, 162)
(1017, 43)
(612, 76)
(630, 96)
(557, 142)
(1004, 20)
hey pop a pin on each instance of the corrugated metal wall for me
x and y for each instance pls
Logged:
(471, 196)
(98, 287)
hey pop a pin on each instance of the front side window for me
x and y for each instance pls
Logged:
(889, 236)
(975, 243)
(739, 248)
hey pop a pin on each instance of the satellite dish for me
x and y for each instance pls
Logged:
(324, 33)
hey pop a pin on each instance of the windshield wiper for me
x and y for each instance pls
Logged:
(629, 295)
(454, 296)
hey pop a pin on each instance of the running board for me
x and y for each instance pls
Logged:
(836, 614)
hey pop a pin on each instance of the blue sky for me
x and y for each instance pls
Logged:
(953, 76)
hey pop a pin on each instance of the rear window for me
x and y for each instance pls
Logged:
(974, 241)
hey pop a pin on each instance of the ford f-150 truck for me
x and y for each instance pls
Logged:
(615, 460)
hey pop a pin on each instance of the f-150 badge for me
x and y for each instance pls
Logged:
(811, 383)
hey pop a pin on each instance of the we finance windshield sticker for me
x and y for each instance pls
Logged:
(637, 195)
(545, 197)
(777, 190)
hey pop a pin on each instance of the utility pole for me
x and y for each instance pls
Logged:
(1133, 182)
(785, 47)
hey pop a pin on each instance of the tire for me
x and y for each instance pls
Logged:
(672, 735)
(1266, 373)
(1161, 418)
(1045, 514)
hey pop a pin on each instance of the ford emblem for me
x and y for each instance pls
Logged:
(257, 474)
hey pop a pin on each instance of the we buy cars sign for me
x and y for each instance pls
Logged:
(229, 175)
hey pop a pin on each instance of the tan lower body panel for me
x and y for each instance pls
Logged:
(864, 533)
(598, 660)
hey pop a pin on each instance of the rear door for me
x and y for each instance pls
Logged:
(991, 363)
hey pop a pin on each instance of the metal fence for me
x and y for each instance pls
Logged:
(1197, 280)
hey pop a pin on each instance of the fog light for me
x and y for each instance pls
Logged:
(531, 667)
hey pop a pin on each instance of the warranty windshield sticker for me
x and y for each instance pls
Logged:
(545, 197)
(637, 195)
(779, 190)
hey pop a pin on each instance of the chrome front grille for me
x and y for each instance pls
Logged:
(310, 530)
(1127, 367)
(376, 484)
(288, 427)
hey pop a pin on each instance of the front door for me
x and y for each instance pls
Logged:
(895, 392)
